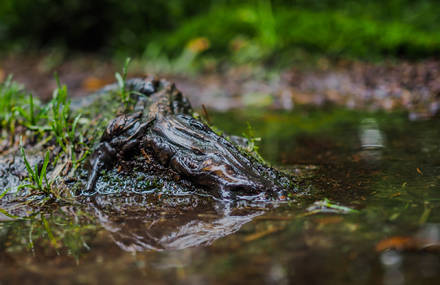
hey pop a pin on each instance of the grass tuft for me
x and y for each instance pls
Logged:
(37, 177)
(252, 146)
(121, 79)
(11, 95)
(63, 127)
(32, 115)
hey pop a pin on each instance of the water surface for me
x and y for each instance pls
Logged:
(382, 166)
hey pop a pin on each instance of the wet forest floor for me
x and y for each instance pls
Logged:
(381, 170)
(390, 85)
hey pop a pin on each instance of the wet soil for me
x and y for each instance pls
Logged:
(410, 86)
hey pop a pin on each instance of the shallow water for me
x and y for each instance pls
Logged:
(382, 166)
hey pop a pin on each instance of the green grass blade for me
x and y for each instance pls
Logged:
(26, 162)
(37, 178)
(125, 68)
(57, 79)
(31, 111)
(5, 192)
(22, 186)
(22, 112)
(44, 169)
(75, 123)
(4, 212)
(52, 239)
(120, 80)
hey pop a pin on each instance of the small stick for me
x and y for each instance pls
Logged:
(205, 113)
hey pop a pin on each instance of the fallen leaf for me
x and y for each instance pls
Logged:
(93, 83)
(397, 242)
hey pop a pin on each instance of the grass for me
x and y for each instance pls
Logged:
(4, 192)
(37, 177)
(19, 107)
(54, 123)
(11, 95)
(252, 146)
(31, 115)
(327, 206)
(121, 80)
(60, 123)
(55, 119)
(65, 128)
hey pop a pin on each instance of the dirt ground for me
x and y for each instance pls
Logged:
(414, 87)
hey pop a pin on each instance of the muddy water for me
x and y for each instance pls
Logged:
(381, 173)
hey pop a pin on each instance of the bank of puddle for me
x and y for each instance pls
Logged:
(366, 212)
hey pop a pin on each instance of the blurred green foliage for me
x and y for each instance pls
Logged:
(241, 30)
(90, 25)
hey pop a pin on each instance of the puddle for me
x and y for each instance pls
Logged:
(368, 214)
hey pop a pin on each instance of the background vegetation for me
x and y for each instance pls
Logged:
(239, 30)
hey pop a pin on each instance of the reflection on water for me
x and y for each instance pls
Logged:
(429, 236)
(385, 167)
(370, 135)
(427, 239)
(137, 222)
(178, 223)
(392, 261)
(372, 141)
